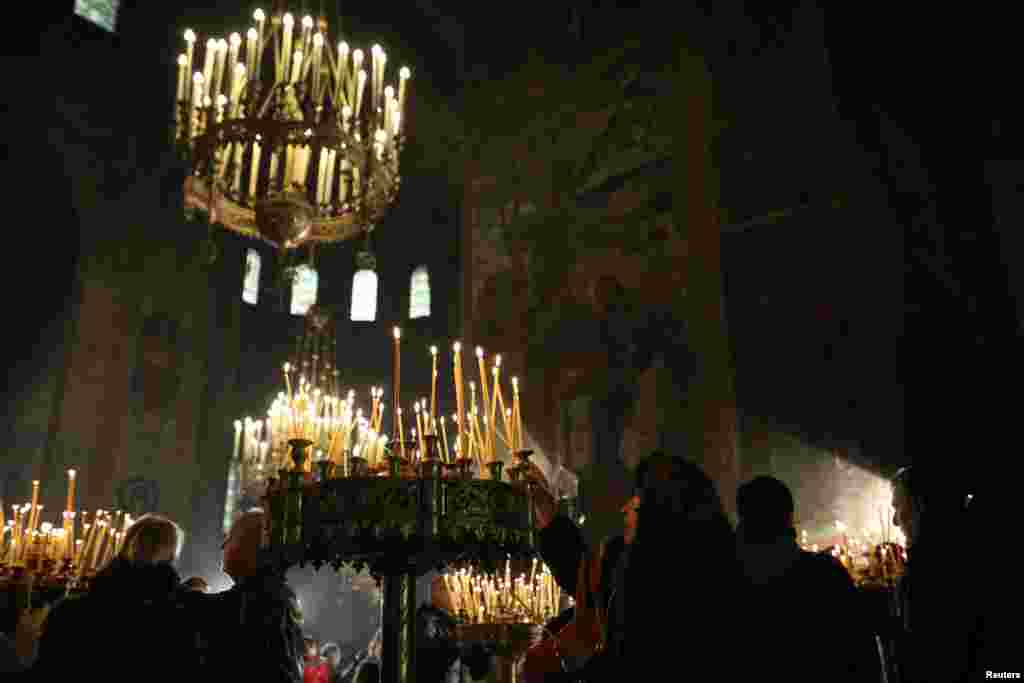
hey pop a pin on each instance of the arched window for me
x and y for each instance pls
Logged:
(364, 296)
(419, 293)
(251, 283)
(303, 290)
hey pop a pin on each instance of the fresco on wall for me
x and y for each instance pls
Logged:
(156, 381)
(138, 496)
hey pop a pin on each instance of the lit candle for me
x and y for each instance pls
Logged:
(254, 175)
(318, 46)
(237, 84)
(403, 77)
(496, 371)
(190, 46)
(209, 59)
(251, 36)
(286, 50)
(71, 491)
(398, 382)
(221, 60)
(486, 402)
(340, 94)
(182, 78)
(34, 510)
(260, 18)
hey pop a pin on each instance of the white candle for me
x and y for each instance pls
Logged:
(318, 47)
(261, 39)
(251, 37)
(235, 43)
(342, 70)
(321, 178)
(361, 79)
(329, 184)
(354, 83)
(254, 175)
(221, 62)
(389, 92)
(296, 66)
(182, 72)
(190, 41)
(237, 83)
(404, 76)
(209, 58)
(274, 158)
(307, 29)
(286, 47)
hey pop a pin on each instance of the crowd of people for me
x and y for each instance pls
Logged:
(680, 591)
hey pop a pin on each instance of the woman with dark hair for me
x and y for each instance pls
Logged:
(691, 587)
(639, 583)
(135, 601)
(937, 610)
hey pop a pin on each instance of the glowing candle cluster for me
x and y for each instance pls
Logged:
(496, 598)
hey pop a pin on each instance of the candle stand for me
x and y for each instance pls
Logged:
(400, 528)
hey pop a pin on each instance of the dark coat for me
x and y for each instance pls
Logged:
(254, 632)
(135, 619)
(800, 616)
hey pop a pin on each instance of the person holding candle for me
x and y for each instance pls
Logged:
(136, 599)
(777, 574)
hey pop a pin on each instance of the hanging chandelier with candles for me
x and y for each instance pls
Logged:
(293, 138)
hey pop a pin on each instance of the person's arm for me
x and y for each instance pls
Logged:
(562, 548)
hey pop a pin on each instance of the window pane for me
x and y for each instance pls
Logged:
(364, 296)
(251, 284)
(419, 294)
(304, 290)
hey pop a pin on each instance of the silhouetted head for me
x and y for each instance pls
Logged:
(924, 498)
(242, 546)
(152, 539)
(673, 487)
(765, 509)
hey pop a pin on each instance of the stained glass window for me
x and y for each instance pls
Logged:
(419, 293)
(251, 284)
(303, 290)
(364, 296)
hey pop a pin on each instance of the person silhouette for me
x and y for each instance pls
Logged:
(783, 583)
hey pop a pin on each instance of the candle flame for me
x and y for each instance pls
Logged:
(405, 73)
(71, 474)
(397, 333)
(236, 39)
(258, 15)
(479, 352)
(433, 350)
(190, 35)
(182, 60)
(307, 21)
(288, 19)
(252, 34)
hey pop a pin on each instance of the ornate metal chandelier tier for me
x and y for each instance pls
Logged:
(292, 139)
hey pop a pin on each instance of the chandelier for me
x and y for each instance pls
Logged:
(311, 407)
(292, 139)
